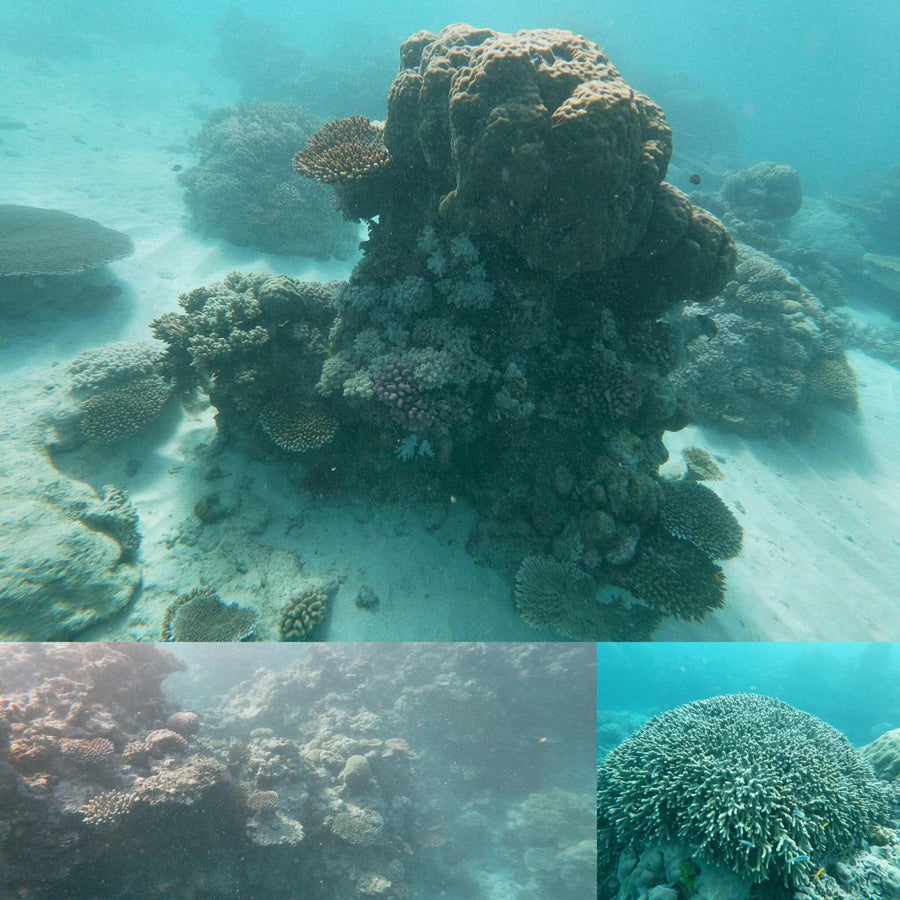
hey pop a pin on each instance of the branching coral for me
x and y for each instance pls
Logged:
(746, 781)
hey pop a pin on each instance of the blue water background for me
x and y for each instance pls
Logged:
(812, 84)
(854, 687)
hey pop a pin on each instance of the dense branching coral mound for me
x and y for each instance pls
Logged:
(692, 512)
(744, 781)
(243, 189)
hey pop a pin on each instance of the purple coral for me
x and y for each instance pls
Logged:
(395, 386)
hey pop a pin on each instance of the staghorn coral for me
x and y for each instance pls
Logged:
(778, 793)
(108, 807)
(301, 614)
(199, 615)
(297, 426)
(692, 512)
(121, 412)
(243, 189)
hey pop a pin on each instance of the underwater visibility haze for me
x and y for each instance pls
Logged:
(470, 321)
(324, 772)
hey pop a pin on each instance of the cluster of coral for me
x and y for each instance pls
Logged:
(734, 790)
(241, 188)
(765, 354)
(354, 773)
(502, 328)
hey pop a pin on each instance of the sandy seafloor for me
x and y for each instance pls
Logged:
(821, 513)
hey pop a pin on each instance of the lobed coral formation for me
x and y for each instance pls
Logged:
(200, 615)
(242, 188)
(301, 614)
(778, 793)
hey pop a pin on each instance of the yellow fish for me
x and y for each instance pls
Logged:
(818, 873)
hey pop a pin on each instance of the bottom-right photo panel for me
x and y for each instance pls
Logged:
(748, 771)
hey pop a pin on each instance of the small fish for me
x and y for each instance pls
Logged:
(824, 824)
(818, 872)
(694, 179)
(799, 815)
(747, 843)
(803, 857)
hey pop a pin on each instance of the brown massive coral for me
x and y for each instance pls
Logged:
(536, 140)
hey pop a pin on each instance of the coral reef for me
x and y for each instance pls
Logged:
(297, 426)
(700, 465)
(199, 615)
(692, 512)
(242, 188)
(764, 354)
(52, 262)
(113, 364)
(503, 327)
(550, 594)
(779, 792)
(247, 341)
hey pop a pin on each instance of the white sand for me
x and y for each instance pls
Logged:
(820, 514)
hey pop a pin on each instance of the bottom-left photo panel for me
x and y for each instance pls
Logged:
(297, 771)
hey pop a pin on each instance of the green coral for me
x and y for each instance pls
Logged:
(744, 781)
